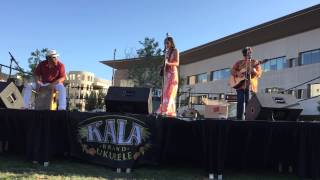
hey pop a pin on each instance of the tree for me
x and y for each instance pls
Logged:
(91, 101)
(150, 48)
(100, 99)
(36, 58)
(129, 53)
(33, 61)
(146, 72)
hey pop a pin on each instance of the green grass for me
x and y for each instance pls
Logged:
(13, 167)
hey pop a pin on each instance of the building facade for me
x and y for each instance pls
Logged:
(290, 46)
(101, 85)
(291, 61)
(81, 84)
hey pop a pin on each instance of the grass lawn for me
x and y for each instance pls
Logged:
(13, 167)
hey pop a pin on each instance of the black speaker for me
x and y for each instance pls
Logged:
(10, 96)
(129, 100)
(274, 107)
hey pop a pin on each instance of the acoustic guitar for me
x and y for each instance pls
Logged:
(236, 82)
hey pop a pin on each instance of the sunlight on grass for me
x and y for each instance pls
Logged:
(12, 167)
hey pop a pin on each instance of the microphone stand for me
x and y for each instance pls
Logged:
(113, 71)
(10, 67)
(250, 73)
(163, 76)
(248, 80)
(12, 59)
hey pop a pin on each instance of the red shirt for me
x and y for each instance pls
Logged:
(49, 75)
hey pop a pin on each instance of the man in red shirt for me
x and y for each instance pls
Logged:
(49, 72)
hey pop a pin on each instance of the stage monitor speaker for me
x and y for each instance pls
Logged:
(10, 96)
(129, 100)
(274, 107)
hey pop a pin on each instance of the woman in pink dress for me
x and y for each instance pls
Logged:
(170, 79)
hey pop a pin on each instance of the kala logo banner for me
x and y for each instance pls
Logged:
(114, 140)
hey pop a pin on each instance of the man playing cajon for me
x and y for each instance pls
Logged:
(49, 72)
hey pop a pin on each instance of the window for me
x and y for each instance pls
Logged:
(126, 83)
(220, 74)
(73, 77)
(191, 80)
(197, 100)
(274, 90)
(285, 63)
(310, 57)
(292, 62)
(156, 92)
(78, 105)
(292, 92)
(313, 90)
(266, 67)
(202, 78)
(275, 64)
(268, 90)
(300, 93)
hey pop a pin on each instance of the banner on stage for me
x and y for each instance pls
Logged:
(114, 140)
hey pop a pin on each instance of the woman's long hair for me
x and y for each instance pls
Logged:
(170, 39)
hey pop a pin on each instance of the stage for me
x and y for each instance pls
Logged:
(215, 145)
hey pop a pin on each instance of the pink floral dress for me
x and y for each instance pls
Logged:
(170, 85)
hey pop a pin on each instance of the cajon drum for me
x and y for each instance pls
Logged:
(46, 98)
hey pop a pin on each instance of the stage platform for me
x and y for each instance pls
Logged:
(215, 145)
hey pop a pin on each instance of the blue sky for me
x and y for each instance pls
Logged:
(85, 32)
